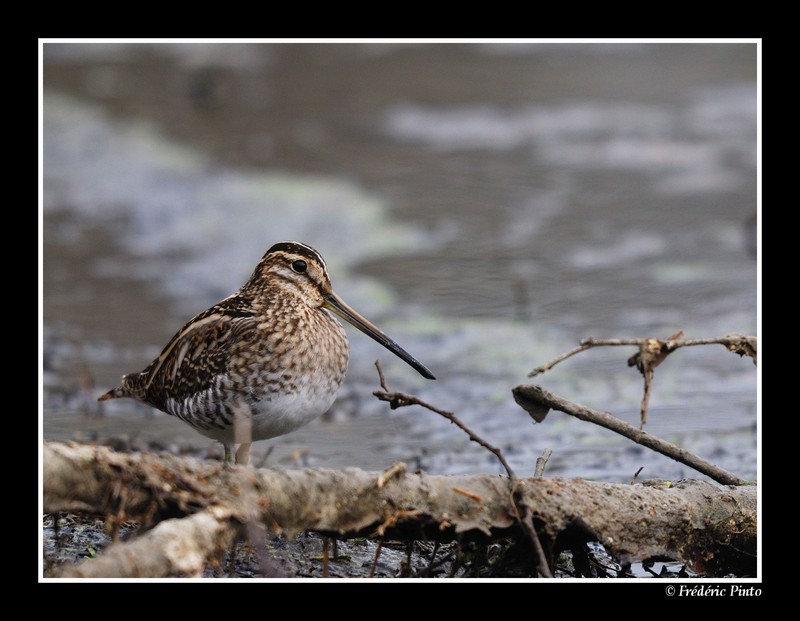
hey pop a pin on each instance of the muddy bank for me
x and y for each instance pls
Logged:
(78, 539)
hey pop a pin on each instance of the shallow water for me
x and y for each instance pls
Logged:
(487, 205)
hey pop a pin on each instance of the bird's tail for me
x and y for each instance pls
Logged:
(115, 393)
(133, 385)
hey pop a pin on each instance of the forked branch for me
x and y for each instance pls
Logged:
(736, 343)
(652, 352)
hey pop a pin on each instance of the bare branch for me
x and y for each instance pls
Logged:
(375, 560)
(381, 379)
(648, 380)
(652, 352)
(399, 399)
(736, 343)
(526, 520)
(546, 367)
(532, 395)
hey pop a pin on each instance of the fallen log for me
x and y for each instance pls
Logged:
(191, 509)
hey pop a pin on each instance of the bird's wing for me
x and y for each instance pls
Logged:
(201, 351)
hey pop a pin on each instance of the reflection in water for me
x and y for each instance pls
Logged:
(489, 205)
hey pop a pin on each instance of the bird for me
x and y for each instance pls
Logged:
(262, 362)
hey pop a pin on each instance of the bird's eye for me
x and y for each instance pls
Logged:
(299, 266)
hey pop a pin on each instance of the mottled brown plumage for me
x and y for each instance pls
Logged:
(262, 362)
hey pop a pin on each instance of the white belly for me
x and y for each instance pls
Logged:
(288, 412)
(272, 416)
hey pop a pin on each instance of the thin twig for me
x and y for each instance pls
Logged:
(263, 461)
(457, 561)
(542, 566)
(541, 462)
(435, 564)
(652, 352)
(546, 367)
(648, 373)
(381, 379)
(736, 343)
(325, 559)
(535, 396)
(399, 399)
(397, 469)
(468, 494)
(375, 560)
(525, 519)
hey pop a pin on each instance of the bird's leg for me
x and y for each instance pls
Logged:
(243, 453)
(227, 458)
(242, 431)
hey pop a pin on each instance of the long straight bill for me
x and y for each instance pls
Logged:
(334, 303)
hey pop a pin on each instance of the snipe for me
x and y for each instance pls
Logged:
(262, 362)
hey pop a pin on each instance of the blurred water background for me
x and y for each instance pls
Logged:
(487, 204)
